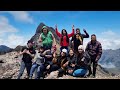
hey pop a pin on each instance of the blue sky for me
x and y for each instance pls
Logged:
(16, 27)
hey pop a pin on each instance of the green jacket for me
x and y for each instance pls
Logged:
(47, 39)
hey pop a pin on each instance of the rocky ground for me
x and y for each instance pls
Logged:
(9, 69)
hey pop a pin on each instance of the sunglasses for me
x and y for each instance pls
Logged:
(80, 49)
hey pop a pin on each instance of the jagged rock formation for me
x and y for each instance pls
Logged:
(39, 30)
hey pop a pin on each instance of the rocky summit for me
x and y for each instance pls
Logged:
(10, 62)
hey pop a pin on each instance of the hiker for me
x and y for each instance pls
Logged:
(48, 55)
(77, 39)
(47, 38)
(62, 63)
(94, 49)
(38, 64)
(53, 66)
(28, 54)
(82, 62)
(64, 38)
(72, 58)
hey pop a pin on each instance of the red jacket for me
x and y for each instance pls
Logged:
(64, 42)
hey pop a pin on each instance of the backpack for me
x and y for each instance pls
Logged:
(47, 39)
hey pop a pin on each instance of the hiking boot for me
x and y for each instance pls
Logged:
(30, 77)
(93, 76)
(41, 78)
(89, 75)
(27, 77)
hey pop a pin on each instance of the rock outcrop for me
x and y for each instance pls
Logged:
(38, 32)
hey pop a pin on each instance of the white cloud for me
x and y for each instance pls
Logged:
(22, 16)
(13, 40)
(8, 34)
(108, 39)
(5, 27)
(108, 65)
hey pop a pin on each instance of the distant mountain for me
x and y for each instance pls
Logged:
(4, 49)
(39, 31)
(18, 48)
(110, 60)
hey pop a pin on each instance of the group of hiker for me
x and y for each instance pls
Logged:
(73, 59)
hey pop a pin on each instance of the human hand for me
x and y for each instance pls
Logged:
(84, 30)
(25, 50)
(56, 26)
(73, 65)
(73, 27)
(48, 67)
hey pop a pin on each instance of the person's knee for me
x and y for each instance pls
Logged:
(79, 72)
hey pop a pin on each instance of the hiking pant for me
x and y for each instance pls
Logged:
(79, 72)
(94, 67)
(54, 67)
(39, 68)
(22, 68)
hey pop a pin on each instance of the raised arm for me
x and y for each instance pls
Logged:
(40, 39)
(72, 34)
(56, 30)
(86, 35)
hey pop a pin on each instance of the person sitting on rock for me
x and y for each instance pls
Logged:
(48, 55)
(47, 38)
(28, 54)
(53, 66)
(72, 60)
(83, 60)
(62, 63)
(38, 64)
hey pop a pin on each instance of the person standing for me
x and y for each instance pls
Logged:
(47, 38)
(64, 38)
(28, 54)
(77, 39)
(94, 49)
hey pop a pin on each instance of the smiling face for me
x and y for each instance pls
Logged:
(45, 31)
(93, 38)
(30, 45)
(77, 31)
(64, 32)
(62, 54)
(80, 50)
(71, 53)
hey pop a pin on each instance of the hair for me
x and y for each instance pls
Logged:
(71, 49)
(65, 35)
(40, 47)
(46, 28)
(93, 35)
(77, 29)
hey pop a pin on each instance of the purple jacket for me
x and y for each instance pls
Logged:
(94, 50)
